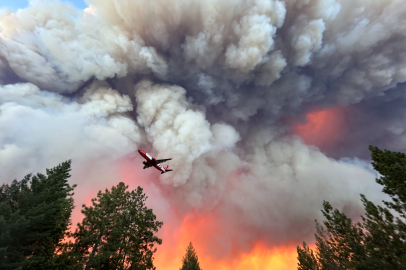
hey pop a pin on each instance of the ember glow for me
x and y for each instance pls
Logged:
(204, 230)
(216, 85)
(258, 257)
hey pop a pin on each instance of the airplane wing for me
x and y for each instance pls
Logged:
(162, 160)
(147, 166)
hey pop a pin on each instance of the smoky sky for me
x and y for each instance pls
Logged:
(216, 85)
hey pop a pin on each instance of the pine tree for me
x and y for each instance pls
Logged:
(117, 231)
(307, 259)
(386, 235)
(34, 218)
(190, 260)
(379, 242)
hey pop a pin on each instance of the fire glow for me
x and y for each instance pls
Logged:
(323, 127)
(181, 76)
(169, 255)
(204, 230)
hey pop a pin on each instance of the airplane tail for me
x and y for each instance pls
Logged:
(166, 169)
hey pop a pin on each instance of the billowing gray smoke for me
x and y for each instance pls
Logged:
(213, 84)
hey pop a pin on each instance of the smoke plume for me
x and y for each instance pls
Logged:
(226, 88)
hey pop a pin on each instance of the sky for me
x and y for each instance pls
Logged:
(13, 5)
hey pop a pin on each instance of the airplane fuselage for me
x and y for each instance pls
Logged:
(152, 162)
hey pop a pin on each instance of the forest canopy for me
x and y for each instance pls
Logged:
(117, 232)
(378, 241)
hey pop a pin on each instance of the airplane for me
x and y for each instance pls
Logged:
(152, 162)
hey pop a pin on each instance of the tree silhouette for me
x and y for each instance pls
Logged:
(190, 260)
(379, 241)
(34, 217)
(118, 231)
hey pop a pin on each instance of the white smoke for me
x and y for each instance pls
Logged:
(40, 129)
(212, 84)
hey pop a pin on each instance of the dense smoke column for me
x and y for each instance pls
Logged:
(219, 86)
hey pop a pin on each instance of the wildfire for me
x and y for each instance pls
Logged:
(202, 229)
(206, 232)
(323, 128)
(205, 229)
(263, 258)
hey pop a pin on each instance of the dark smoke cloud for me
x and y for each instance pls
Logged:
(212, 84)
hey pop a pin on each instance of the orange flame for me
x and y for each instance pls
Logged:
(202, 229)
(205, 230)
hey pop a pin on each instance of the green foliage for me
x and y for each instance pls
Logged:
(190, 260)
(386, 234)
(34, 217)
(392, 168)
(379, 242)
(117, 231)
(384, 238)
(307, 259)
(340, 245)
